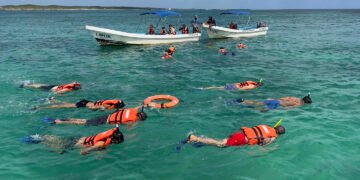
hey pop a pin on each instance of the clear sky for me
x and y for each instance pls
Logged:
(202, 4)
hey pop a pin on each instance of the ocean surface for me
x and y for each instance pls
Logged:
(304, 51)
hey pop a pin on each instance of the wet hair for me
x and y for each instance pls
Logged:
(221, 47)
(307, 99)
(120, 105)
(77, 85)
(117, 138)
(142, 116)
(280, 130)
(82, 103)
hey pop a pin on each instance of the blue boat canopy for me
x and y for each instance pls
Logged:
(162, 13)
(235, 12)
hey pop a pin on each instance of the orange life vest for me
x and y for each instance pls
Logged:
(70, 87)
(104, 136)
(257, 134)
(123, 116)
(246, 83)
(109, 104)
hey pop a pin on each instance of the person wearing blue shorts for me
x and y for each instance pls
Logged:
(271, 104)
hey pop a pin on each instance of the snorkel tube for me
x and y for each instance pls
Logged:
(261, 82)
(278, 123)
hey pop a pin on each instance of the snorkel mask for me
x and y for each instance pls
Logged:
(307, 99)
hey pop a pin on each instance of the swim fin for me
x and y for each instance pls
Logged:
(33, 139)
(182, 143)
(49, 120)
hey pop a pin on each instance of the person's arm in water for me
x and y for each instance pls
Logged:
(98, 146)
(268, 141)
(208, 141)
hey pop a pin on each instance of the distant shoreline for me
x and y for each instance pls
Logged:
(31, 7)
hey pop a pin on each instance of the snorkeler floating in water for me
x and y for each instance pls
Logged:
(270, 104)
(99, 104)
(54, 88)
(241, 46)
(247, 85)
(169, 52)
(87, 144)
(258, 135)
(225, 52)
(122, 116)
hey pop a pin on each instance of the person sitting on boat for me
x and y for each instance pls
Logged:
(184, 29)
(54, 88)
(196, 25)
(233, 25)
(151, 29)
(241, 46)
(271, 104)
(99, 104)
(163, 31)
(121, 116)
(258, 135)
(172, 30)
(87, 144)
(245, 86)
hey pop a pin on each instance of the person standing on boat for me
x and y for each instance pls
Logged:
(151, 29)
(196, 25)
(211, 21)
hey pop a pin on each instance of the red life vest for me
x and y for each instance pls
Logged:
(104, 136)
(257, 134)
(109, 104)
(123, 116)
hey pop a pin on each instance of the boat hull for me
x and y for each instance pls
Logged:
(112, 37)
(222, 32)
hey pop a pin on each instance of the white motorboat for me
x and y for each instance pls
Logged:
(226, 32)
(114, 37)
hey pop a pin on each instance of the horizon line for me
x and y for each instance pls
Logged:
(143, 7)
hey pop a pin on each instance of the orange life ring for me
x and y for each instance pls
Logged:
(173, 101)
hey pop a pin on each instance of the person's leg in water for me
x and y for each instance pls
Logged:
(70, 121)
(56, 106)
(207, 141)
(55, 143)
(213, 87)
(92, 122)
(37, 86)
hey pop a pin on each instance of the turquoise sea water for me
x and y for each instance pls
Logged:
(304, 51)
